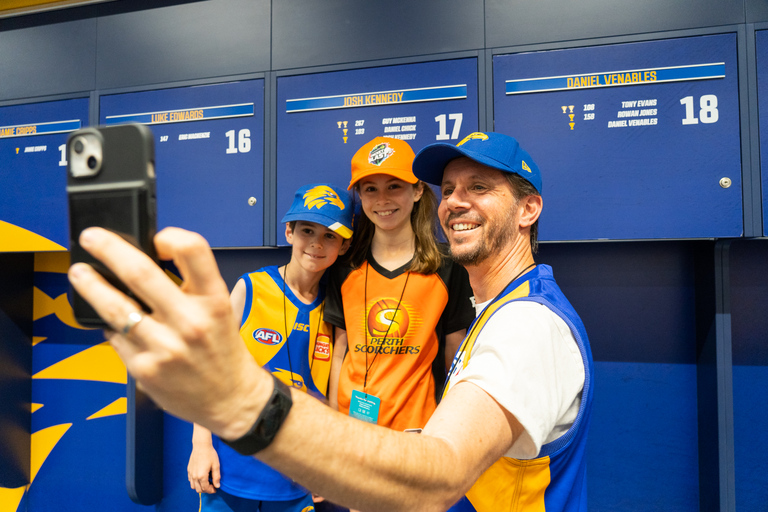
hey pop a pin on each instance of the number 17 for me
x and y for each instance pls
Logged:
(442, 133)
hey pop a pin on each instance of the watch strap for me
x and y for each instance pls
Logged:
(267, 424)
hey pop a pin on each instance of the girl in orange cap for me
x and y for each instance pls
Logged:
(399, 304)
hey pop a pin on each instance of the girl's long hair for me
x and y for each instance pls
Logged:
(427, 257)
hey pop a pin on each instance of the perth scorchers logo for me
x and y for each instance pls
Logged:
(387, 324)
(321, 195)
(385, 318)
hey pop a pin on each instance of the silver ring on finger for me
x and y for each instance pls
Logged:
(133, 318)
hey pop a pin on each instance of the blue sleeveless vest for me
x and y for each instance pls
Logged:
(556, 479)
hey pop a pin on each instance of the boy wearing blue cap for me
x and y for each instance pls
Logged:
(282, 326)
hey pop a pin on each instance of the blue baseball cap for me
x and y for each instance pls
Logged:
(495, 150)
(324, 204)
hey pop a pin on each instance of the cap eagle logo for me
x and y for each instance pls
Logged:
(319, 196)
(475, 135)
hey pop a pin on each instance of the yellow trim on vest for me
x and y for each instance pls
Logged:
(516, 484)
(469, 341)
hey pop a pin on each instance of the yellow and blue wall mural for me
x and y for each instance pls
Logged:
(78, 412)
(78, 407)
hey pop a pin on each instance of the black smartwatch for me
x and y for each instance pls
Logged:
(267, 424)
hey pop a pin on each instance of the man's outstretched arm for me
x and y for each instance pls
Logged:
(189, 357)
(372, 468)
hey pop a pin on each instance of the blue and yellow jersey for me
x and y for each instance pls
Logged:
(307, 341)
(556, 479)
(267, 314)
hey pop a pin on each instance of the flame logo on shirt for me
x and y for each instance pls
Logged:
(321, 195)
(385, 318)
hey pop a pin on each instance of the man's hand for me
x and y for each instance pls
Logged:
(187, 354)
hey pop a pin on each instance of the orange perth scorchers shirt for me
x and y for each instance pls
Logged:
(395, 321)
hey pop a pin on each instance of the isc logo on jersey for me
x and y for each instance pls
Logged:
(267, 336)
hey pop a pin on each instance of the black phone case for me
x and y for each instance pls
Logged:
(120, 198)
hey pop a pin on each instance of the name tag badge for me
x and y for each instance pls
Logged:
(364, 407)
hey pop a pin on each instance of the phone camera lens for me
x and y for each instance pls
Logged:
(92, 162)
(79, 146)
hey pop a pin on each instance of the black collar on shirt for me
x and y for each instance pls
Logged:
(389, 274)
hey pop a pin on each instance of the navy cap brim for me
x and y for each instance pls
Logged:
(430, 162)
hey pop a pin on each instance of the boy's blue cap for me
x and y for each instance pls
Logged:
(495, 150)
(324, 204)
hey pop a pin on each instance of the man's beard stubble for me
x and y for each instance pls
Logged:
(496, 236)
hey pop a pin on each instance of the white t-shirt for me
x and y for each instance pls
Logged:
(526, 358)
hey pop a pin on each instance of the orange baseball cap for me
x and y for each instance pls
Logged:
(384, 155)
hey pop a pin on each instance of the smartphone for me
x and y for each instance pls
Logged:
(111, 184)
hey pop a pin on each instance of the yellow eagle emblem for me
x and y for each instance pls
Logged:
(475, 135)
(293, 380)
(319, 196)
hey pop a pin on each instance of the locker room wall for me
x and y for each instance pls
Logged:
(659, 314)
(125, 43)
(749, 297)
